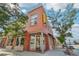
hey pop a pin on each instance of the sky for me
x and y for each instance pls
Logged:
(26, 7)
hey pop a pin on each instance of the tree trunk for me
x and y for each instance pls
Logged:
(4, 41)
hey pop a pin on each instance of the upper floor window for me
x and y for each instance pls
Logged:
(34, 19)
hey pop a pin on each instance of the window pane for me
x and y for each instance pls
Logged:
(34, 19)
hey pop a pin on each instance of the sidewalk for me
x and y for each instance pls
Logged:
(3, 52)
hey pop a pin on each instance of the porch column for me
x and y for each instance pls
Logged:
(20, 40)
(27, 42)
(46, 42)
(42, 45)
(50, 42)
(54, 43)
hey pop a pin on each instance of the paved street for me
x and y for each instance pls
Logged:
(48, 53)
(56, 52)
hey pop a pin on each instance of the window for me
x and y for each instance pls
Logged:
(34, 19)
(44, 18)
(32, 38)
(32, 41)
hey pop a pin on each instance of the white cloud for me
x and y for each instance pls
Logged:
(75, 31)
(22, 4)
(76, 5)
(56, 6)
(75, 26)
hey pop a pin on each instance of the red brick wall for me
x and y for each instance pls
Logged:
(27, 41)
(46, 42)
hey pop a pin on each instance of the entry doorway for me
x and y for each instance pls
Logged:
(35, 43)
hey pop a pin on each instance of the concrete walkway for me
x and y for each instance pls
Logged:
(3, 52)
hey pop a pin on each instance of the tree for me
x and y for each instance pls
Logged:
(17, 28)
(8, 13)
(5, 36)
(62, 21)
(12, 19)
(4, 14)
